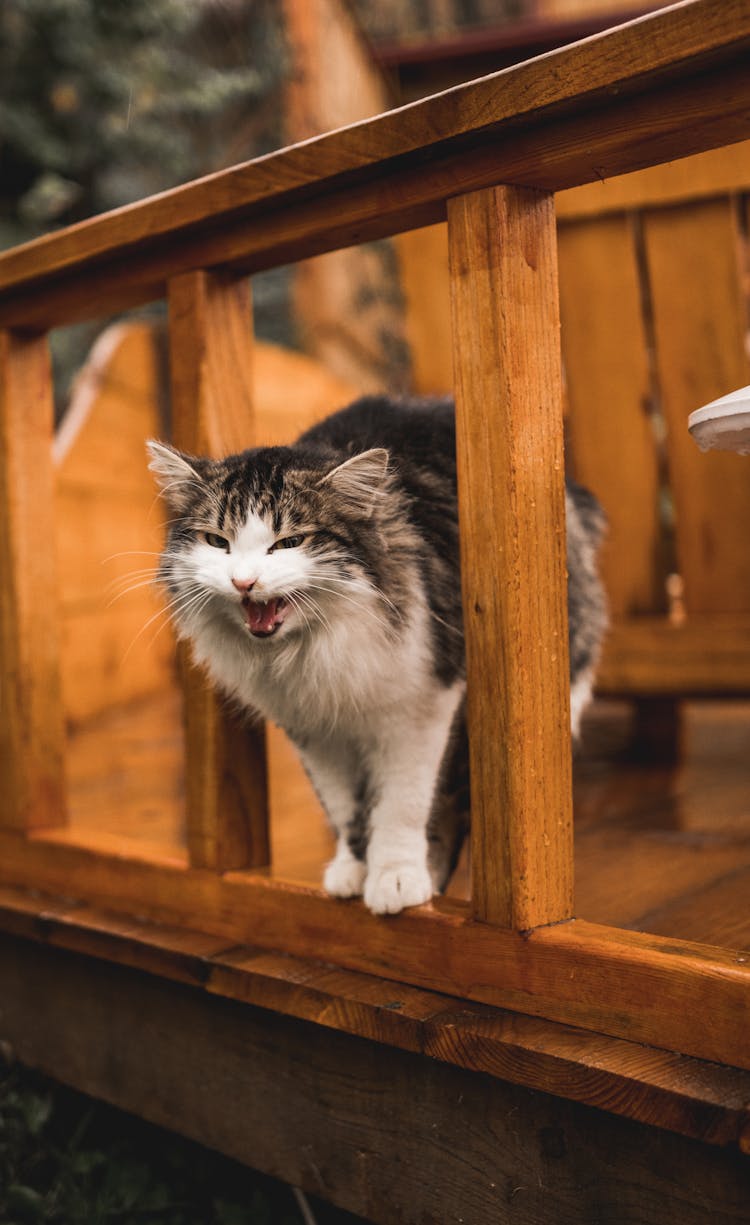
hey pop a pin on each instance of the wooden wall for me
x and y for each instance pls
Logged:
(110, 528)
(347, 303)
(389, 1134)
(654, 316)
(110, 525)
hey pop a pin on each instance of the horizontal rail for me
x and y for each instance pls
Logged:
(707, 656)
(707, 1102)
(661, 87)
(624, 983)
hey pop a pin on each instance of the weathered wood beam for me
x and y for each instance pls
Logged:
(628, 984)
(210, 342)
(31, 716)
(509, 436)
(658, 88)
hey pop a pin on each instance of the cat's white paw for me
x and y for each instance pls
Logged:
(344, 876)
(390, 888)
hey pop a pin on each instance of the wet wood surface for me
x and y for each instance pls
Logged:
(381, 1131)
(686, 1096)
(664, 849)
(629, 984)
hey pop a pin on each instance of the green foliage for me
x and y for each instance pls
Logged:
(67, 1161)
(104, 101)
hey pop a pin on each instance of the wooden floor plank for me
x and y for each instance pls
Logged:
(375, 1129)
(660, 849)
(680, 1094)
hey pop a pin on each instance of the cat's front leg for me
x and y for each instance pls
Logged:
(344, 875)
(411, 750)
(330, 771)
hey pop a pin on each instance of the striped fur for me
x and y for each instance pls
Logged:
(319, 585)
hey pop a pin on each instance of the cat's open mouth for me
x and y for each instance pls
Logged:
(264, 619)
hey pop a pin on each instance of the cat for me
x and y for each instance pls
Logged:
(319, 585)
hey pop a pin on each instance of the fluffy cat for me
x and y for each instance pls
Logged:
(319, 586)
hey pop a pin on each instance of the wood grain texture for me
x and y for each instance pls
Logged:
(136, 752)
(666, 848)
(612, 446)
(31, 721)
(700, 325)
(210, 352)
(109, 528)
(664, 87)
(627, 984)
(648, 838)
(674, 1092)
(716, 172)
(423, 265)
(210, 341)
(511, 511)
(383, 1132)
(708, 655)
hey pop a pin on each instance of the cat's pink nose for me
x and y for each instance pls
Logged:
(244, 585)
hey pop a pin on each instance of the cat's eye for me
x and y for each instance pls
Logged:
(216, 542)
(287, 542)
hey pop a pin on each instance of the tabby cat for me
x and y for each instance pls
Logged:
(319, 586)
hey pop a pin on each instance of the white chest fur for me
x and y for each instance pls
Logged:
(344, 675)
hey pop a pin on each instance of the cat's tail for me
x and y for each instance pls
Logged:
(587, 604)
(590, 512)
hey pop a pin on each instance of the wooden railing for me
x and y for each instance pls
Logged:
(488, 156)
(654, 316)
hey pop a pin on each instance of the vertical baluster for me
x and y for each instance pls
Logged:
(31, 716)
(212, 413)
(511, 495)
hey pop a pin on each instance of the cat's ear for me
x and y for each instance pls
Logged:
(361, 480)
(176, 474)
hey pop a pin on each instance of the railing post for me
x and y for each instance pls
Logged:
(31, 716)
(210, 337)
(505, 312)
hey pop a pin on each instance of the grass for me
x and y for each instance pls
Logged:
(67, 1160)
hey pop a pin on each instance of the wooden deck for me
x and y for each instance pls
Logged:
(659, 848)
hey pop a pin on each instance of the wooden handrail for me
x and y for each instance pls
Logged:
(660, 87)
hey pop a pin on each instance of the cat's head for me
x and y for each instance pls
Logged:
(273, 539)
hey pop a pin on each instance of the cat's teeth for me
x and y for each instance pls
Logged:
(263, 619)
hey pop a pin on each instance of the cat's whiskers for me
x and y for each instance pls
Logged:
(357, 584)
(313, 607)
(353, 583)
(447, 626)
(196, 606)
(359, 604)
(135, 553)
(194, 599)
(134, 580)
(142, 583)
(297, 605)
(134, 576)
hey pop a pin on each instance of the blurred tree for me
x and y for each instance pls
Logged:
(104, 101)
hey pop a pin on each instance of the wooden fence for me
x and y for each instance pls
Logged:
(488, 158)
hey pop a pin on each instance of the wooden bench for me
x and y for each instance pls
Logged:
(488, 156)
